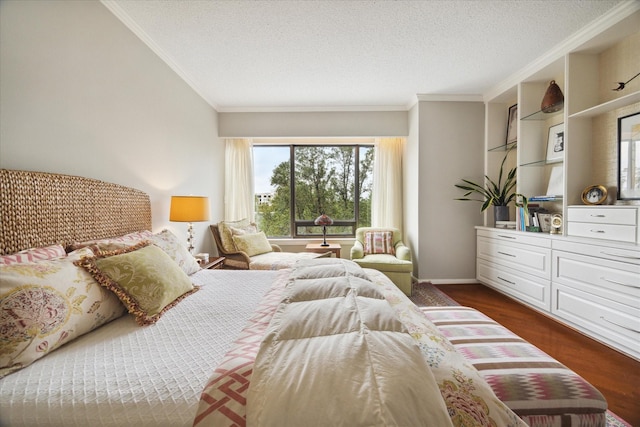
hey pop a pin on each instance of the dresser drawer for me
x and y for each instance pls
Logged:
(533, 260)
(530, 289)
(616, 281)
(615, 252)
(620, 233)
(603, 215)
(611, 322)
(511, 236)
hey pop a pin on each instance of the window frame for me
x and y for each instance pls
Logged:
(293, 223)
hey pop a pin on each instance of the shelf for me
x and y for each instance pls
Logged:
(608, 106)
(504, 147)
(541, 115)
(541, 163)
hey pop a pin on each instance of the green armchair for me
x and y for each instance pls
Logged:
(398, 266)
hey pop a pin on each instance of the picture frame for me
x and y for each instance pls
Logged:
(594, 195)
(628, 165)
(555, 144)
(544, 220)
(512, 125)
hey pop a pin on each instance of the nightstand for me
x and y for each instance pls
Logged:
(214, 263)
(319, 249)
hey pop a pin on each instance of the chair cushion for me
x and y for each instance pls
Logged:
(379, 242)
(385, 262)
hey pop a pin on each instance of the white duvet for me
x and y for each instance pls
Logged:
(126, 375)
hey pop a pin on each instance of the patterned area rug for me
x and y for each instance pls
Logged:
(427, 295)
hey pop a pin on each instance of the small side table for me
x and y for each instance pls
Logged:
(319, 249)
(214, 263)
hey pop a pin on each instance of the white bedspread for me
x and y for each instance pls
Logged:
(126, 375)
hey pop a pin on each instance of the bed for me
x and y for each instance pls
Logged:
(324, 343)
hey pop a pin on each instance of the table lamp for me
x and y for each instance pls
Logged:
(323, 220)
(189, 209)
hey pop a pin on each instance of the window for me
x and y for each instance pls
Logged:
(331, 179)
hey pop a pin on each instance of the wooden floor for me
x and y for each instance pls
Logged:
(614, 374)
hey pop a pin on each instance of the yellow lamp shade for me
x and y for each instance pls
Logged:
(189, 209)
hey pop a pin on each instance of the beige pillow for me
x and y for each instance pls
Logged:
(253, 244)
(144, 277)
(46, 304)
(169, 243)
(228, 228)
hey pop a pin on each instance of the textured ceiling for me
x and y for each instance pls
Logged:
(252, 55)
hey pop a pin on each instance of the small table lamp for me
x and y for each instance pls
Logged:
(189, 209)
(323, 220)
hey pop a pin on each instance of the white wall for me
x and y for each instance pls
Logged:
(412, 187)
(313, 124)
(80, 94)
(451, 147)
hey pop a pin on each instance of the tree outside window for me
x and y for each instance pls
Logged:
(331, 179)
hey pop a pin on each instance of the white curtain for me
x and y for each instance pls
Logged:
(386, 200)
(238, 182)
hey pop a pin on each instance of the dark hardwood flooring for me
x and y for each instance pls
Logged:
(616, 376)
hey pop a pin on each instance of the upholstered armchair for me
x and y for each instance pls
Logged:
(382, 249)
(245, 248)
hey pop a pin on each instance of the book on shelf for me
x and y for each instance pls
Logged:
(511, 225)
(547, 198)
(528, 219)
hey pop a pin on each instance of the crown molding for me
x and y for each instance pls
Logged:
(114, 8)
(449, 97)
(310, 109)
(579, 38)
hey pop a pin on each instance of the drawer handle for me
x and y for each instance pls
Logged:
(508, 281)
(598, 216)
(621, 256)
(597, 231)
(615, 282)
(506, 254)
(619, 325)
(506, 237)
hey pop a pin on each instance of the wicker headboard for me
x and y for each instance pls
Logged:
(40, 209)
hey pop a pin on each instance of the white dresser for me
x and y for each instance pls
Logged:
(589, 283)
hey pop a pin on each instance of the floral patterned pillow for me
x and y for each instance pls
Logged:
(168, 242)
(34, 254)
(46, 304)
(144, 277)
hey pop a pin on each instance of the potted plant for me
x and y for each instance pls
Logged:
(497, 194)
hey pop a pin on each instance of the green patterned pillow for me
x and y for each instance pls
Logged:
(252, 244)
(144, 277)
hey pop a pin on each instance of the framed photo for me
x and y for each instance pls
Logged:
(594, 195)
(555, 144)
(629, 157)
(544, 219)
(512, 125)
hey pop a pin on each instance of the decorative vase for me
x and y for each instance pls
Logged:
(501, 213)
(553, 99)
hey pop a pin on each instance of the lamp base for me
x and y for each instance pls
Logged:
(324, 244)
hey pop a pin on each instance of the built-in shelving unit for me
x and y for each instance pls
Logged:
(586, 71)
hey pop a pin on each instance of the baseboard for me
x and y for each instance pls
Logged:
(450, 281)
